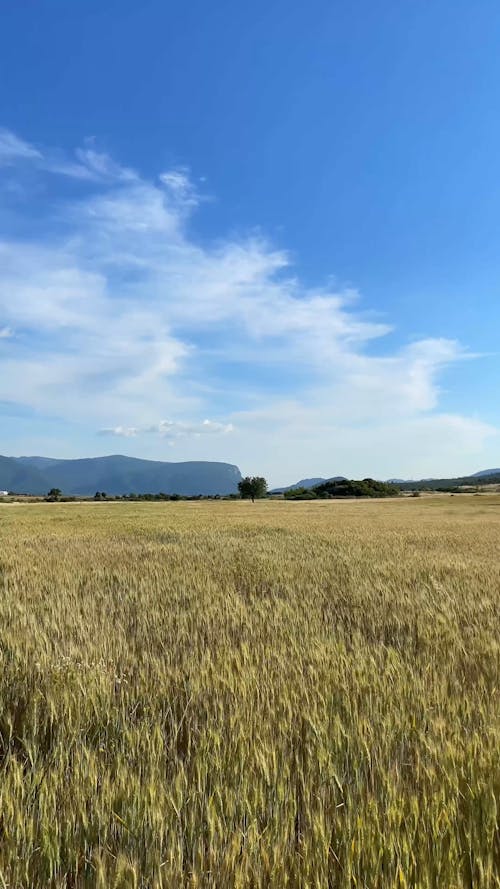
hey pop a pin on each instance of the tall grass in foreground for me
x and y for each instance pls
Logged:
(221, 695)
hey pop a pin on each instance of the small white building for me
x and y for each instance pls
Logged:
(4, 493)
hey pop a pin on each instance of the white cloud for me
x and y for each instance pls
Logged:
(121, 314)
(171, 429)
(6, 333)
(289, 437)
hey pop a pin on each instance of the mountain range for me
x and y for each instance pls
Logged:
(484, 476)
(116, 475)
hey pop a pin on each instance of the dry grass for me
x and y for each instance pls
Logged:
(227, 695)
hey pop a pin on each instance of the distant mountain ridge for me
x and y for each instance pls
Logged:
(485, 472)
(115, 475)
(37, 462)
(485, 477)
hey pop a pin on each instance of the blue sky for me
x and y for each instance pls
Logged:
(262, 233)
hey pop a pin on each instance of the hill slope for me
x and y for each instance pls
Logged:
(16, 477)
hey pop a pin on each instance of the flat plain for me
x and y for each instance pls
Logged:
(273, 695)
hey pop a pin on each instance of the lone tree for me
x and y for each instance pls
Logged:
(252, 486)
(54, 494)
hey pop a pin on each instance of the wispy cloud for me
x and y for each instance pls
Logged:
(120, 431)
(121, 313)
(14, 149)
(178, 184)
(85, 163)
(179, 428)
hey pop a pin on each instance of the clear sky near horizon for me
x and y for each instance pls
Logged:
(262, 233)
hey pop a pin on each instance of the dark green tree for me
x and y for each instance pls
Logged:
(300, 494)
(54, 494)
(367, 487)
(252, 486)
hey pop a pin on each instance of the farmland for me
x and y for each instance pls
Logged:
(234, 695)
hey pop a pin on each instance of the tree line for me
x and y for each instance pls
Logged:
(256, 488)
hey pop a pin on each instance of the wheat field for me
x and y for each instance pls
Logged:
(234, 695)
